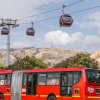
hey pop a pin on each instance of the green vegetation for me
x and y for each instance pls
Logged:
(62, 64)
(28, 63)
(1, 66)
(80, 59)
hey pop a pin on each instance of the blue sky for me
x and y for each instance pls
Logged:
(83, 35)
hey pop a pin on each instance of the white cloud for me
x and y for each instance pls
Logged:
(59, 38)
(27, 41)
(89, 42)
(90, 25)
(95, 21)
(93, 16)
(11, 8)
(23, 42)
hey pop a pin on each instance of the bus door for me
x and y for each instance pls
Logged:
(16, 85)
(66, 84)
(31, 86)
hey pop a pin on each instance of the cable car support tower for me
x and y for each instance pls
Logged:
(9, 23)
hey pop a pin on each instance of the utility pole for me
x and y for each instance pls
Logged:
(8, 22)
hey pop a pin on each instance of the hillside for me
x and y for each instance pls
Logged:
(54, 56)
(3, 58)
(96, 56)
(48, 55)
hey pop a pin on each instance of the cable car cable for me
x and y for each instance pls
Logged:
(51, 10)
(85, 9)
(74, 3)
(42, 20)
(35, 9)
(41, 13)
(69, 13)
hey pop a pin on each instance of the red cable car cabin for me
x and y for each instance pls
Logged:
(4, 31)
(30, 32)
(66, 20)
(51, 84)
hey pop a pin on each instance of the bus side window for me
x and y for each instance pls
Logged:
(24, 79)
(3, 79)
(64, 84)
(42, 79)
(53, 79)
(29, 83)
(9, 79)
(70, 83)
(77, 76)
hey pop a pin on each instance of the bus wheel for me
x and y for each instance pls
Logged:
(1, 97)
(52, 97)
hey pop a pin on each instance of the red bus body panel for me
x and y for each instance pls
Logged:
(3, 89)
(42, 92)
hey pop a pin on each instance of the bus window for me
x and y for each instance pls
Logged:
(69, 91)
(9, 79)
(70, 76)
(64, 79)
(63, 85)
(29, 83)
(24, 79)
(3, 79)
(70, 83)
(93, 77)
(34, 84)
(66, 83)
(77, 76)
(42, 79)
(53, 78)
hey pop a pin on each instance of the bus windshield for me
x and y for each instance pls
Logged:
(93, 76)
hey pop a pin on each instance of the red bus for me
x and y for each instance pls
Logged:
(50, 84)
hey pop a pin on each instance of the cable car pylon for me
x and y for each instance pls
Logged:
(8, 22)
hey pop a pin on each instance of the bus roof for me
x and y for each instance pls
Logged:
(47, 70)
(56, 69)
(5, 71)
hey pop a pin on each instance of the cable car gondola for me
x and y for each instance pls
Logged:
(30, 31)
(66, 19)
(4, 31)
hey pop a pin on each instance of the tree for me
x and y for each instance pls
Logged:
(80, 59)
(28, 63)
(1, 66)
(62, 64)
(84, 60)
